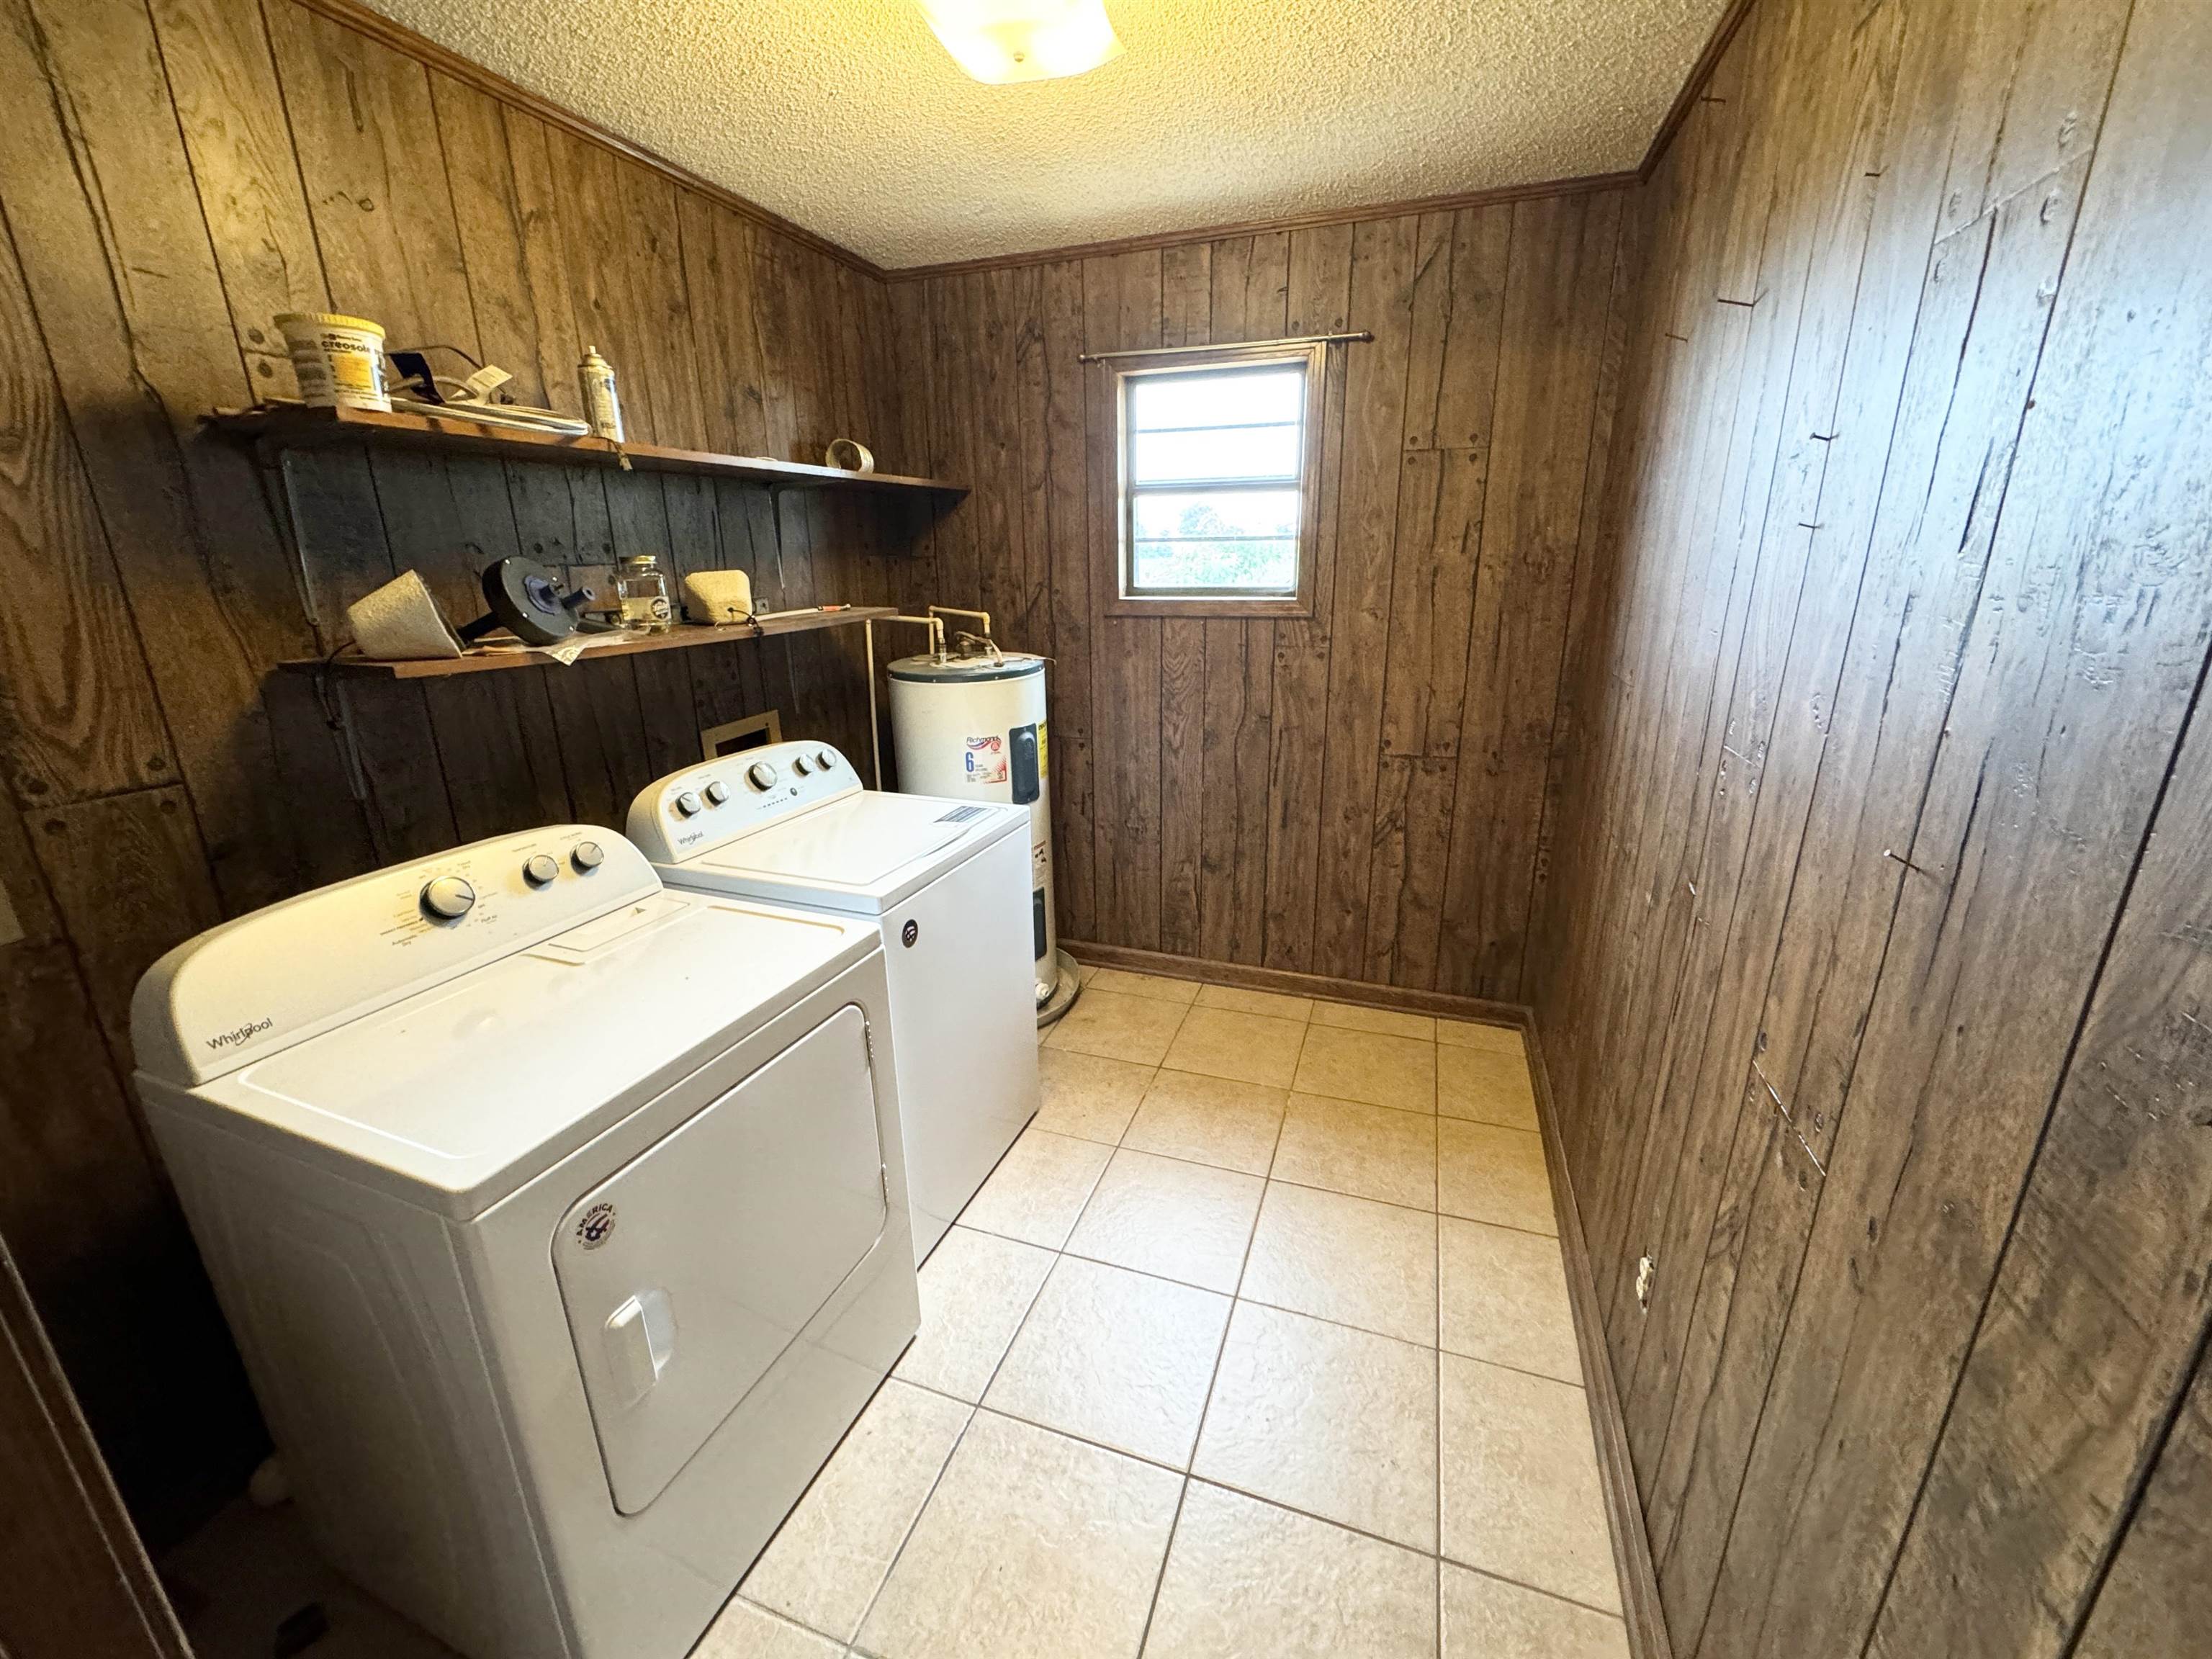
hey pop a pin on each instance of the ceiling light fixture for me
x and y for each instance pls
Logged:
(999, 41)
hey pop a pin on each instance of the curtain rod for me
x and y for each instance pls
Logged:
(1225, 345)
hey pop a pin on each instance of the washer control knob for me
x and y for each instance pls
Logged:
(587, 857)
(539, 870)
(447, 898)
(717, 792)
(801, 765)
(688, 804)
(825, 760)
(761, 775)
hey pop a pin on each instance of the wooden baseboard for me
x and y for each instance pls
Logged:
(1631, 1543)
(1287, 983)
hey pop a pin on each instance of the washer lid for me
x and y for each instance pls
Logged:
(456, 1095)
(861, 852)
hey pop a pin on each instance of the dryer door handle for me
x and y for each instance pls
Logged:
(641, 1340)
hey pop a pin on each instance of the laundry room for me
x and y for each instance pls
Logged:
(1094, 829)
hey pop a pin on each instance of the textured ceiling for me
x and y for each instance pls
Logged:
(847, 117)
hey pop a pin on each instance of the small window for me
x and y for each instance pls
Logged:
(1216, 473)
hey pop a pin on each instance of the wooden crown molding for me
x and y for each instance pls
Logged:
(1347, 215)
(355, 16)
(1717, 45)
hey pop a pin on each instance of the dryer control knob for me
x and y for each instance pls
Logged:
(688, 804)
(587, 857)
(539, 870)
(448, 898)
(801, 765)
(717, 792)
(825, 760)
(761, 775)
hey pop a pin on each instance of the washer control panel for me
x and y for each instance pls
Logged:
(267, 980)
(681, 816)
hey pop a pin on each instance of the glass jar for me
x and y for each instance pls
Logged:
(642, 600)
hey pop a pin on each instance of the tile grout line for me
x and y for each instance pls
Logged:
(973, 1406)
(1192, 1478)
(1236, 1298)
(1291, 1088)
(1213, 1382)
(1228, 1169)
(1059, 1253)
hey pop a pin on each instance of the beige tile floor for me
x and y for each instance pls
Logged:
(1257, 1343)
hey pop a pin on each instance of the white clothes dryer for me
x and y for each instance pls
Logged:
(948, 884)
(561, 1219)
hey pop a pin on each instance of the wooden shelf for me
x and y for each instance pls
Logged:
(681, 638)
(293, 425)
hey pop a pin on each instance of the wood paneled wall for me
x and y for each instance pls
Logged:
(1871, 973)
(1364, 793)
(173, 174)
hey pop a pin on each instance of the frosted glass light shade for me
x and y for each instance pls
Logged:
(999, 41)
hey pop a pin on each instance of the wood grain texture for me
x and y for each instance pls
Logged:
(1761, 621)
(179, 172)
(1641, 1610)
(1869, 960)
(2156, 1597)
(78, 716)
(1293, 792)
(74, 1578)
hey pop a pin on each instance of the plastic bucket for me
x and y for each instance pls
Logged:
(340, 360)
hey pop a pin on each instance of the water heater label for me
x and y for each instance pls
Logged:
(985, 761)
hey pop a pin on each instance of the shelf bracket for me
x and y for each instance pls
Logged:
(775, 519)
(277, 467)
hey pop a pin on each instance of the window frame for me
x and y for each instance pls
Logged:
(1121, 549)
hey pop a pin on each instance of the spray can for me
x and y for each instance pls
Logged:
(602, 410)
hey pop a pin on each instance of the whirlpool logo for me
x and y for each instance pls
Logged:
(252, 1027)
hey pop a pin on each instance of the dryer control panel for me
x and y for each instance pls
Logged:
(283, 974)
(685, 814)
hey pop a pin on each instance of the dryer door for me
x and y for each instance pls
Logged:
(687, 1272)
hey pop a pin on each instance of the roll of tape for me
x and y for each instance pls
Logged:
(847, 456)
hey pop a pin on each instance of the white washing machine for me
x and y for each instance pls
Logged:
(947, 881)
(561, 1219)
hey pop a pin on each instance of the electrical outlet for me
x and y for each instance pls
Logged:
(1646, 1267)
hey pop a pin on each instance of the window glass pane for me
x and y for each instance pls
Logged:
(1240, 430)
(1216, 514)
(1246, 565)
(1234, 452)
(1229, 396)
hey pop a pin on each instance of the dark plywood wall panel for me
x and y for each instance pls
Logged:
(1361, 793)
(174, 174)
(1869, 959)
(74, 1582)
